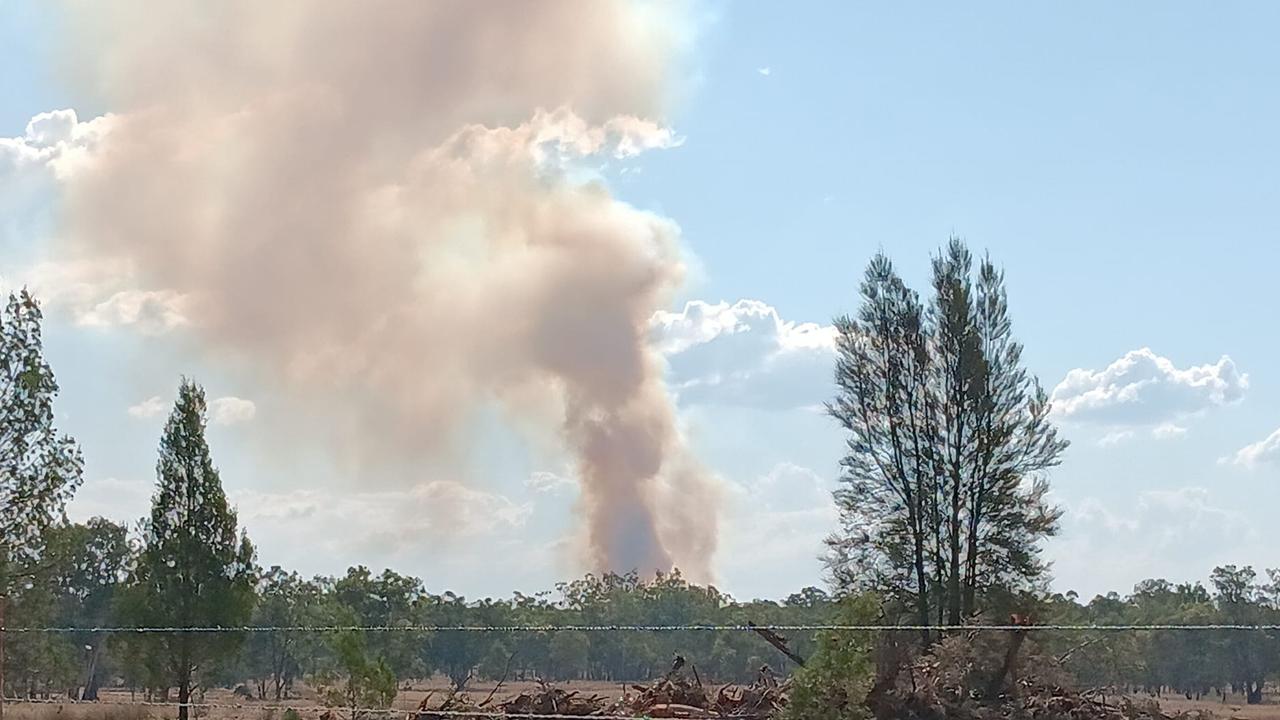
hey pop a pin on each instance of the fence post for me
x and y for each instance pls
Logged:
(4, 599)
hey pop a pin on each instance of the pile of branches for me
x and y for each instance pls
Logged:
(548, 700)
(678, 696)
(984, 676)
(675, 695)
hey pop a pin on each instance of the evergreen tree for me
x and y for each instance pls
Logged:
(886, 404)
(943, 491)
(39, 469)
(195, 570)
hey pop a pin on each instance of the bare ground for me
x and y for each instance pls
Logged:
(115, 705)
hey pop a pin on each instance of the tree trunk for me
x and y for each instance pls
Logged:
(184, 695)
(1254, 695)
(953, 576)
(922, 594)
(91, 675)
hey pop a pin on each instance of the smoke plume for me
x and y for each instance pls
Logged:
(381, 207)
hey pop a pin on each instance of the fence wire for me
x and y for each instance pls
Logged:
(641, 628)
(345, 711)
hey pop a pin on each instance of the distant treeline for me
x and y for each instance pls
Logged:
(84, 582)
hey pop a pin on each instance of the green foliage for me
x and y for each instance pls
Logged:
(274, 659)
(942, 495)
(1193, 663)
(495, 662)
(834, 682)
(360, 682)
(195, 569)
(39, 469)
(73, 582)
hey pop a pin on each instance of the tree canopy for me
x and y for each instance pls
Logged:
(943, 494)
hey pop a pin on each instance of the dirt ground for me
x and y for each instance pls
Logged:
(118, 704)
(1234, 707)
(115, 705)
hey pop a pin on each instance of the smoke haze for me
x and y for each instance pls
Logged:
(379, 206)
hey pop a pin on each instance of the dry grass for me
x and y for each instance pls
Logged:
(77, 712)
(1234, 707)
(114, 705)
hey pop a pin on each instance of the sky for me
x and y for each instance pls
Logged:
(1118, 161)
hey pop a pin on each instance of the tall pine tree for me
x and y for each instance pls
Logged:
(39, 469)
(943, 492)
(195, 569)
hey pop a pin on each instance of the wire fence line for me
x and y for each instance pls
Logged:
(346, 711)
(642, 628)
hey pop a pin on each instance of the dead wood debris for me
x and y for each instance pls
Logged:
(991, 676)
(673, 696)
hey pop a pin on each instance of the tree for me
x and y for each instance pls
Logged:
(943, 496)
(39, 469)
(87, 567)
(284, 600)
(834, 682)
(1249, 656)
(1012, 441)
(890, 480)
(364, 684)
(195, 570)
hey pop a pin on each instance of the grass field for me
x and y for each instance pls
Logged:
(115, 704)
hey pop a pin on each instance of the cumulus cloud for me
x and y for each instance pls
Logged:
(744, 354)
(56, 142)
(1143, 388)
(100, 295)
(152, 312)
(1176, 534)
(231, 410)
(151, 407)
(228, 410)
(775, 529)
(1262, 453)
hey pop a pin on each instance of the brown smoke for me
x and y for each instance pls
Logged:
(377, 205)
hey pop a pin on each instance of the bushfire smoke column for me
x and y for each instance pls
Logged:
(381, 208)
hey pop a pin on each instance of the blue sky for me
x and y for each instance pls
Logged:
(1120, 162)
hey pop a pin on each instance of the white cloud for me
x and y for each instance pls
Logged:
(1263, 452)
(54, 146)
(774, 530)
(744, 354)
(99, 295)
(1115, 438)
(54, 141)
(765, 71)
(1177, 534)
(386, 525)
(549, 482)
(151, 407)
(1168, 431)
(1143, 388)
(112, 498)
(231, 410)
(153, 312)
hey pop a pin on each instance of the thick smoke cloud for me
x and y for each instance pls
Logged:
(380, 206)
